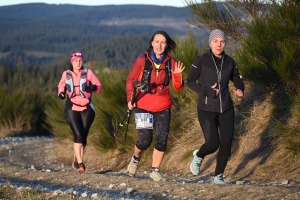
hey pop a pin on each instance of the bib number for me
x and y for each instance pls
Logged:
(143, 120)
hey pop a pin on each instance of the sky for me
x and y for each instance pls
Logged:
(175, 3)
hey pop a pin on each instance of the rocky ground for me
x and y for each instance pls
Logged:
(34, 164)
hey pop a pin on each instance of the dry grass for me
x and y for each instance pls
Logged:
(14, 127)
(9, 192)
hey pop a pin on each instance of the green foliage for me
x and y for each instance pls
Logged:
(55, 117)
(270, 52)
(211, 15)
(19, 114)
(111, 106)
(288, 136)
(114, 52)
(24, 94)
(287, 132)
(187, 50)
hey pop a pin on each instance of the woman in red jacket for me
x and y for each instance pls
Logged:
(152, 101)
(77, 84)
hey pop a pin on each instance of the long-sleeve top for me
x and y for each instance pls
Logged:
(78, 103)
(157, 97)
(205, 72)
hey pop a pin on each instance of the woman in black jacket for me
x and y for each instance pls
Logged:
(209, 77)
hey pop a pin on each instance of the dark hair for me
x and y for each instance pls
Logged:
(171, 45)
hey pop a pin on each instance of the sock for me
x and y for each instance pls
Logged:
(136, 158)
(154, 168)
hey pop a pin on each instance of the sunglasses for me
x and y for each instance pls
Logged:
(77, 55)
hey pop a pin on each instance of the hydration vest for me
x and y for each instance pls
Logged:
(82, 85)
(148, 69)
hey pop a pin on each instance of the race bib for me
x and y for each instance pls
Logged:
(143, 120)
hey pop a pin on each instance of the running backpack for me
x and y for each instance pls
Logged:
(82, 84)
(148, 69)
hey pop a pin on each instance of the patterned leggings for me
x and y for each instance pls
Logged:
(161, 125)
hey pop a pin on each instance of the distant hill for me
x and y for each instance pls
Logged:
(55, 30)
(41, 10)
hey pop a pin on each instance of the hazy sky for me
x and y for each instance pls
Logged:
(175, 3)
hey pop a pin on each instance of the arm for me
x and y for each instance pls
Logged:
(238, 82)
(135, 72)
(62, 83)
(176, 72)
(94, 81)
(193, 75)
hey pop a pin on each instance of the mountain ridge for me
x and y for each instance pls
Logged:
(57, 29)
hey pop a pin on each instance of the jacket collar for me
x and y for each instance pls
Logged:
(165, 60)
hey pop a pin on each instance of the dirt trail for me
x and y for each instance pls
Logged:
(35, 163)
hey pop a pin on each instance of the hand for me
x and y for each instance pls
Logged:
(178, 67)
(91, 88)
(130, 106)
(215, 88)
(238, 92)
(62, 95)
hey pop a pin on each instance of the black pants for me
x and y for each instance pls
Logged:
(161, 125)
(80, 123)
(218, 131)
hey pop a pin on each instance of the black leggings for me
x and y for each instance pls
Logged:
(218, 131)
(161, 125)
(80, 123)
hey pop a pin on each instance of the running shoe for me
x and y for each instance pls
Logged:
(156, 175)
(81, 168)
(219, 179)
(75, 165)
(195, 165)
(132, 167)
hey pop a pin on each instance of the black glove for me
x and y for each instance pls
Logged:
(91, 88)
(62, 95)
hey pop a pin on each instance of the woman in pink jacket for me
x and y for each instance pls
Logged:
(77, 84)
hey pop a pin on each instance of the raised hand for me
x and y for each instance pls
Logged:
(178, 67)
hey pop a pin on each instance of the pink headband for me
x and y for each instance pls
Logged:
(75, 55)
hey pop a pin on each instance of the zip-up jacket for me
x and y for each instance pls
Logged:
(204, 73)
(157, 97)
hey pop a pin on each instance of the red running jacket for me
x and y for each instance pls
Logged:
(158, 97)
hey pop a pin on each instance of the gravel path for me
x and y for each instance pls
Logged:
(31, 163)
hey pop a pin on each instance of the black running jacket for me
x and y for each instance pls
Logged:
(204, 73)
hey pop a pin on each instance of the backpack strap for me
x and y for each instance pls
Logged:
(168, 72)
(147, 71)
(83, 82)
(69, 84)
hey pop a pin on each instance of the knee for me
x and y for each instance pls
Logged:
(212, 147)
(161, 146)
(143, 145)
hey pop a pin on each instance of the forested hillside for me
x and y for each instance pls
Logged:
(35, 34)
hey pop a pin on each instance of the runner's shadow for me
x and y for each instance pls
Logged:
(102, 172)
